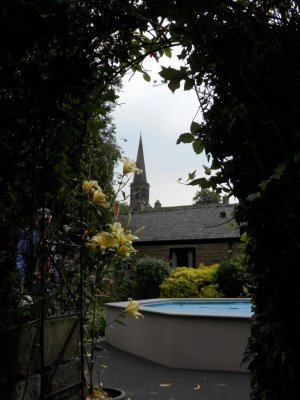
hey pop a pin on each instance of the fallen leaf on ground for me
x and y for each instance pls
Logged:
(165, 384)
(197, 387)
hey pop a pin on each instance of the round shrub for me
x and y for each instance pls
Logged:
(191, 282)
(231, 276)
(147, 275)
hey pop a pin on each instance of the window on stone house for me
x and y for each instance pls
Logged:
(182, 257)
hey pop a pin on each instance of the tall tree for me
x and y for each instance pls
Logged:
(206, 196)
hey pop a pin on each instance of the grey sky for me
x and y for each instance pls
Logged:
(160, 116)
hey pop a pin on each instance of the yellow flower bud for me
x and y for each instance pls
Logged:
(99, 198)
(116, 227)
(116, 209)
(87, 186)
(130, 166)
(125, 250)
(132, 309)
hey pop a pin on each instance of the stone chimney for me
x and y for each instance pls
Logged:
(157, 204)
(225, 200)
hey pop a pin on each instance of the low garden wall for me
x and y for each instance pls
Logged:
(20, 368)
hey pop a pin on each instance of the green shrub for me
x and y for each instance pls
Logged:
(95, 324)
(146, 276)
(191, 282)
(231, 276)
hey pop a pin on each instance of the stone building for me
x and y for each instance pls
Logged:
(183, 235)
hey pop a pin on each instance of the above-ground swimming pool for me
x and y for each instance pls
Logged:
(236, 307)
(206, 334)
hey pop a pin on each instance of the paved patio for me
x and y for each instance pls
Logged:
(144, 380)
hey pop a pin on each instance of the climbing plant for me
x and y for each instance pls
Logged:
(60, 64)
(243, 59)
(60, 67)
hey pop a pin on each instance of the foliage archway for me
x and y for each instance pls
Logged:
(243, 58)
(58, 62)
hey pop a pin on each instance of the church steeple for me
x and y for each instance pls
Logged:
(139, 188)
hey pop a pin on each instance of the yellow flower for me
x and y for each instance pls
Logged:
(133, 309)
(116, 227)
(125, 237)
(98, 394)
(104, 240)
(99, 198)
(87, 186)
(130, 166)
(125, 249)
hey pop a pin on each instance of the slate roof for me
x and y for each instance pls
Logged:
(186, 223)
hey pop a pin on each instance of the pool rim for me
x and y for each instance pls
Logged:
(123, 304)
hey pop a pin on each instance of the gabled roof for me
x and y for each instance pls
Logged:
(184, 223)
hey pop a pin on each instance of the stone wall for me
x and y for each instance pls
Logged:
(206, 253)
(20, 368)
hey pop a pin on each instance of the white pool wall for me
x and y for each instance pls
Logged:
(214, 343)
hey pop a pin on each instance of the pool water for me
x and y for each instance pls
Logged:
(202, 307)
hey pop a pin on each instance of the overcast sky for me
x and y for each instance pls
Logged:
(160, 117)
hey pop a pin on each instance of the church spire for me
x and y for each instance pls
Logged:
(139, 189)
(140, 163)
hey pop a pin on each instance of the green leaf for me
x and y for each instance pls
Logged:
(147, 77)
(138, 231)
(198, 146)
(195, 127)
(138, 68)
(120, 322)
(254, 196)
(207, 170)
(202, 182)
(188, 84)
(215, 164)
(263, 184)
(185, 138)
(174, 85)
(170, 74)
(196, 182)
(98, 348)
(192, 175)
(146, 39)
(127, 220)
(279, 171)
(168, 53)
(297, 156)
(231, 123)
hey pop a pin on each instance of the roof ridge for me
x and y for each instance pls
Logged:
(185, 207)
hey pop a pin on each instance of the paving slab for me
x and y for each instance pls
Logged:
(145, 380)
